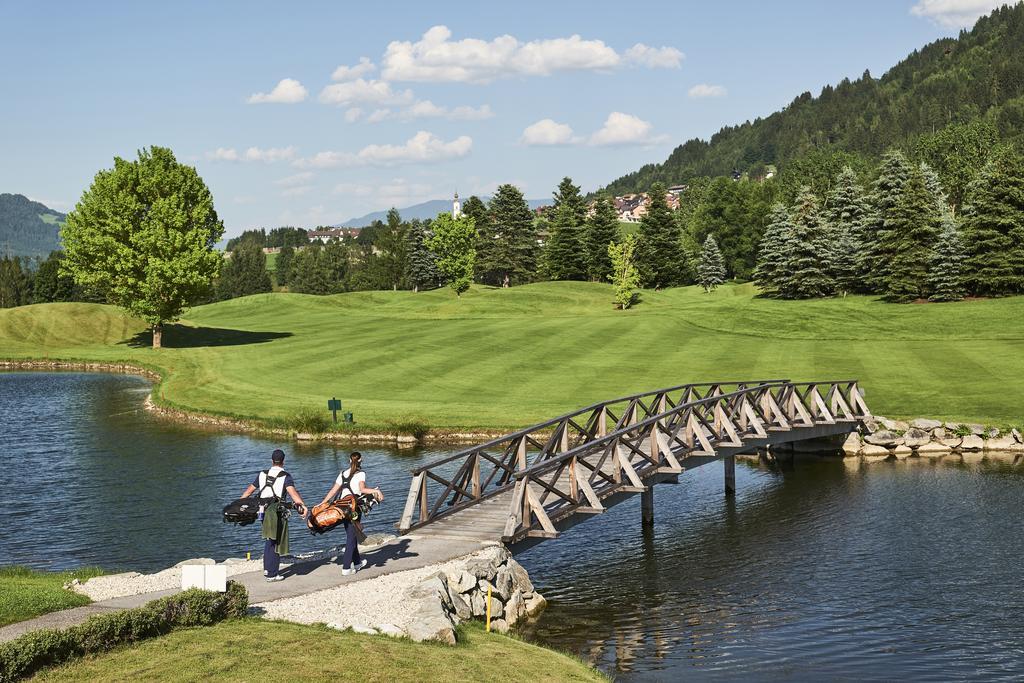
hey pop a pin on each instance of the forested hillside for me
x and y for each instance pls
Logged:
(979, 75)
(27, 228)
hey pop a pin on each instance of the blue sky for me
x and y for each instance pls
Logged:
(447, 96)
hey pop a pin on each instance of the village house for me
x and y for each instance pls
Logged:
(325, 235)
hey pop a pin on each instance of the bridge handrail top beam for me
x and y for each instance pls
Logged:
(553, 462)
(555, 420)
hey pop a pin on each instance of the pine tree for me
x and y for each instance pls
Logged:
(875, 258)
(933, 184)
(846, 214)
(945, 276)
(488, 266)
(422, 269)
(993, 227)
(913, 227)
(284, 265)
(711, 271)
(805, 275)
(624, 276)
(772, 256)
(564, 254)
(660, 257)
(514, 259)
(602, 228)
(244, 273)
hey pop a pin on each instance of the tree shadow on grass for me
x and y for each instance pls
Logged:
(186, 337)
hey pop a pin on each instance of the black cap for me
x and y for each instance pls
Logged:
(277, 456)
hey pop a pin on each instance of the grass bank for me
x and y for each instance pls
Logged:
(251, 649)
(499, 358)
(26, 593)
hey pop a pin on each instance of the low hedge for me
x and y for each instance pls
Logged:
(33, 651)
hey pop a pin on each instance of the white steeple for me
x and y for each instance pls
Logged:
(456, 206)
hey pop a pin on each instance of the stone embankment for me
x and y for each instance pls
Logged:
(423, 604)
(881, 438)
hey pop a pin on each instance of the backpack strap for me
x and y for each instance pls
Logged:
(270, 480)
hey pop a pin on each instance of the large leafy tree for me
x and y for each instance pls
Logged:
(514, 257)
(660, 257)
(244, 273)
(913, 228)
(624, 275)
(805, 273)
(773, 255)
(565, 256)
(602, 228)
(453, 241)
(145, 230)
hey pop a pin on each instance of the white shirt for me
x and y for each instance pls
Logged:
(353, 484)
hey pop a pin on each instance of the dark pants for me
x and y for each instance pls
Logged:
(351, 546)
(271, 560)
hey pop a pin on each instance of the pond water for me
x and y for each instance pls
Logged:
(821, 570)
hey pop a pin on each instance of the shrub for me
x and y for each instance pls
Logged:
(309, 421)
(31, 652)
(414, 426)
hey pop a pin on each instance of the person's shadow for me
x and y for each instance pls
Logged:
(378, 557)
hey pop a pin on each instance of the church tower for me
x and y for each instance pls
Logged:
(456, 206)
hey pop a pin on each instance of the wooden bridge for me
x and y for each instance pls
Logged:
(528, 486)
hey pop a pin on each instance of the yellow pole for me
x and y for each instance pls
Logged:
(248, 555)
(488, 608)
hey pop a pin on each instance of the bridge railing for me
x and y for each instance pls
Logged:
(453, 483)
(578, 479)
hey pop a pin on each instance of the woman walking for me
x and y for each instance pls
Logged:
(352, 482)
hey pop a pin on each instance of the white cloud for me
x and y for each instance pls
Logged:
(623, 129)
(268, 155)
(350, 73)
(364, 91)
(655, 57)
(297, 191)
(354, 114)
(437, 58)
(425, 109)
(423, 147)
(295, 180)
(705, 90)
(954, 13)
(396, 192)
(287, 91)
(547, 132)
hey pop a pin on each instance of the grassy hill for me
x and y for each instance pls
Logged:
(953, 80)
(508, 357)
(27, 228)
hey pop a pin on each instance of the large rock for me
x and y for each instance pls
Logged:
(872, 425)
(497, 608)
(939, 433)
(972, 442)
(499, 625)
(391, 630)
(976, 429)
(902, 452)
(1016, 435)
(462, 583)
(461, 605)
(852, 444)
(883, 438)
(915, 437)
(894, 425)
(520, 578)
(925, 424)
(1001, 443)
(874, 453)
(535, 605)
(934, 450)
(478, 603)
(515, 608)
(431, 622)
(952, 442)
(503, 584)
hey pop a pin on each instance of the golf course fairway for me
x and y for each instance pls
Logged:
(501, 358)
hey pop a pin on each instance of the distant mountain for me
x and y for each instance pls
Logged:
(28, 228)
(425, 210)
(978, 75)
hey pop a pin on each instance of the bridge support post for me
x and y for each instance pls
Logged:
(647, 508)
(730, 475)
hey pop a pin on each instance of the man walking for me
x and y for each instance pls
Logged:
(271, 485)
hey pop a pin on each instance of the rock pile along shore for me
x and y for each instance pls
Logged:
(880, 438)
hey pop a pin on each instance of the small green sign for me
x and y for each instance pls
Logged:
(333, 404)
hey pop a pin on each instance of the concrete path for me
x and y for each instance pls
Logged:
(400, 554)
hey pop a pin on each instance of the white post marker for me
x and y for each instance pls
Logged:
(208, 577)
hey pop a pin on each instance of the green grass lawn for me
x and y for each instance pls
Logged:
(272, 262)
(252, 650)
(25, 593)
(509, 357)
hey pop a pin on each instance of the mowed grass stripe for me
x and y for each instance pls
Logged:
(499, 358)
